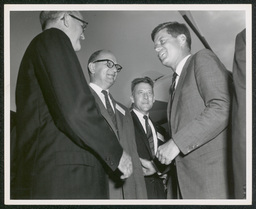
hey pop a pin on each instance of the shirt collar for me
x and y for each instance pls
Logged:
(139, 114)
(181, 65)
(96, 88)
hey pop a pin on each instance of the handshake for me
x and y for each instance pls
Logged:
(125, 166)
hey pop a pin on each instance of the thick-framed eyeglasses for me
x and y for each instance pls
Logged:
(84, 23)
(110, 64)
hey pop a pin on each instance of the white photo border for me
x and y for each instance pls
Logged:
(126, 7)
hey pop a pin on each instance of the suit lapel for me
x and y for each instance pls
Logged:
(178, 89)
(118, 115)
(103, 111)
(141, 131)
(122, 123)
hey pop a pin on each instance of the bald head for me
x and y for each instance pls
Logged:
(51, 17)
(95, 56)
(70, 22)
(103, 68)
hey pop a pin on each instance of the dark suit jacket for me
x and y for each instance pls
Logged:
(199, 119)
(239, 116)
(62, 139)
(134, 187)
(154, 184)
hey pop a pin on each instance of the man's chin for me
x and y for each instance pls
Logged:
(146, 109)
(77, 47)
(163, 60)
(165, 63)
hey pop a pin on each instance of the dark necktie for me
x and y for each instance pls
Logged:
(171, 91)
(172, 87)
(149, 135)
(109, 108)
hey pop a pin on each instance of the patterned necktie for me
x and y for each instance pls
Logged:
(149, 135)
(109, 108)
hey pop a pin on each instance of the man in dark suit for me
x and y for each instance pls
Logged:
(148, 137)
(103, 70)
(62, 140)
(198, 115)
(239, 116)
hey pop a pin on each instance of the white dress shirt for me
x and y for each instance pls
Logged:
(180, 67)
(98, 90)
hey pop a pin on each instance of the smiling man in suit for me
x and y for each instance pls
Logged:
(103, 70)
(198, 115)
(147, 134)
(62, 141)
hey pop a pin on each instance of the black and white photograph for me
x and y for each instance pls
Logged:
(128, 104)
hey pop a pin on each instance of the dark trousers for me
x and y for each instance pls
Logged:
(155, 187)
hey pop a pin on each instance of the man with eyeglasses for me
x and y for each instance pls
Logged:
(103, 70)
(63, 143)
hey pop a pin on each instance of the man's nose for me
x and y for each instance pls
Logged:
(157, 48)
(145, 95)
(82, 36)
(114, 68)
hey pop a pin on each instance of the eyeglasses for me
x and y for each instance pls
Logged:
(110, 64)
(84, 23)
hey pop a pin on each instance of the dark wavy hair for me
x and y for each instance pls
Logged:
(142, 80)
(175, 29)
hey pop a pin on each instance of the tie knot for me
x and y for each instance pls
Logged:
(104, 92)
(145, 117)
(174, 76)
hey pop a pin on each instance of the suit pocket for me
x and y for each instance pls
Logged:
(75, 158)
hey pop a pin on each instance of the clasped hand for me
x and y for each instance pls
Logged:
(147, 167)
(167, 152)
(125, 165)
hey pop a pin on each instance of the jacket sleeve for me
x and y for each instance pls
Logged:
(69, 99)
(212, 80)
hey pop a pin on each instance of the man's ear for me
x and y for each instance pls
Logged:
(132, 99)
(91, 67)
(66, 19)
(182, 39)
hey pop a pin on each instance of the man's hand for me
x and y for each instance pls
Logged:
(167, 152)
(147, 167)
(125, 165)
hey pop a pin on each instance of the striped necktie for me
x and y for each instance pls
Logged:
(149, 135)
